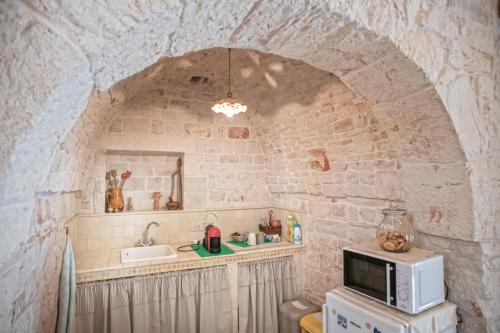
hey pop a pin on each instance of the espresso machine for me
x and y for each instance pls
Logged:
(212, 241)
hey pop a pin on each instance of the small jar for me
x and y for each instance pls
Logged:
(395, 233)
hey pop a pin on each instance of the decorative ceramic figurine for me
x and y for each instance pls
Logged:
(156, 200)
(130, 204)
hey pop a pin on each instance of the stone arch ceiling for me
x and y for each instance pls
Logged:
(56, 53)
(114, 40)
(416, 129)
(296, 108)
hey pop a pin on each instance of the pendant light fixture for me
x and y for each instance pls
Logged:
(229, 106)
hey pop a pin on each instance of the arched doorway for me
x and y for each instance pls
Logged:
(116, 42)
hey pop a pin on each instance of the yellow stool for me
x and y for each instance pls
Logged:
(312, 323)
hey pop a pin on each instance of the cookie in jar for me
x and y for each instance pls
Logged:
(395, 233)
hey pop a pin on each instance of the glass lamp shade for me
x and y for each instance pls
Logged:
(229, 107)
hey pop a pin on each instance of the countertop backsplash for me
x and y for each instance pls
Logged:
(116, 231)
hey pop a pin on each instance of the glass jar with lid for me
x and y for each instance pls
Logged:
(395, 233)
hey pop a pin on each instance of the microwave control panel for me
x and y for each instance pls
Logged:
(404, 288)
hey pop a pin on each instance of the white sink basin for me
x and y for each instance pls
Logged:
(148, 253)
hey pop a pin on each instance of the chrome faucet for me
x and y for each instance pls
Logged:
(146, 241)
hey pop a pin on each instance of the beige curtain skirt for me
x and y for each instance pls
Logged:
(174, 302)
(263, 286)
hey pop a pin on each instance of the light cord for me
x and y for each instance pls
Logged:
(229, 94)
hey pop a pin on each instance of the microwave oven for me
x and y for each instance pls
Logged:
(411, 282)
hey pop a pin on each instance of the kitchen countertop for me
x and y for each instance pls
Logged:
(106, 264)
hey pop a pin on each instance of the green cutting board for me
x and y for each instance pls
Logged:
(244, 244)
(240, 244)
(202, 252)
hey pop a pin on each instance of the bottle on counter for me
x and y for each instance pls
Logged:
(291, 221)
(297, 234)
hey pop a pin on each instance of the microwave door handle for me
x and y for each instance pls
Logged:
(388, 269)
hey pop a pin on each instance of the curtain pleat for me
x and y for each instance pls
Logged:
(194, 301)
(263, 286)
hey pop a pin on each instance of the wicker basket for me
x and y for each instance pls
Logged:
(271, 230)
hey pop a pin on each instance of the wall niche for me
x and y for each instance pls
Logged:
(152, 172)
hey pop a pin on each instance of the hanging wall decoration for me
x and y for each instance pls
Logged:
(176, 189)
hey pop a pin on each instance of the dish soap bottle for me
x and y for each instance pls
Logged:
(297, 234)
(291, 220)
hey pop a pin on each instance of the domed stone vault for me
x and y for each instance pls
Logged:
(350, 106)
(404, 150)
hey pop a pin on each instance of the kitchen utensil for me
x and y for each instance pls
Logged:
(176, 186)
(173, 205)
(252, 239)
(114, 200)
(270, 216)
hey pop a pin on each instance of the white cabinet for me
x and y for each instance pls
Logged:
(348, 312)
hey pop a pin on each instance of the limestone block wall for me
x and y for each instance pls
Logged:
(33, 247)
(223, 162)
(342, 159)
(30, 267)
(52, 58)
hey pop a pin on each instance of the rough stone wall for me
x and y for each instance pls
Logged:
(404, 151)
(31, 261)
(52, 58)
(341, 160)
(72, 158)
(32, 251)
(328, 151)
(33, 246)
(163, 109)
(454, 44)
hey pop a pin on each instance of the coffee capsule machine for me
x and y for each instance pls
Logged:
(212, 241)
